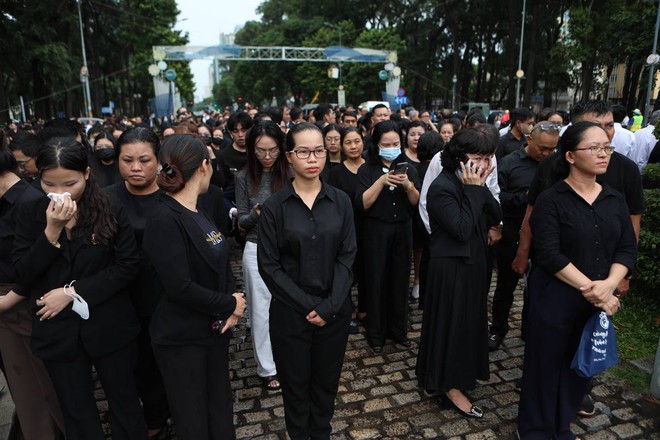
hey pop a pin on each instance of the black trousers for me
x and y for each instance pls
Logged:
(551, 391)
(75, 391)
(387, 256)
(196, 379)
(149, 381)
(309, 361)
(507, 279)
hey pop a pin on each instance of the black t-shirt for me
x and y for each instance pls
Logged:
(19, 193)
(344, 179)
(212, 235)
(622, 175)
(137, 208)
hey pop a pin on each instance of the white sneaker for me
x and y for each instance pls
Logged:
(415, 291)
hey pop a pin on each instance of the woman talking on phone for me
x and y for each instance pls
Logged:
(387, 193)
(453, 351)
(189, 328)
(305, 253)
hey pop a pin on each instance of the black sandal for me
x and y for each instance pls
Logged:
(268, 383)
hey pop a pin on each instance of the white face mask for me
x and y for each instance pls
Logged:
(497, 124)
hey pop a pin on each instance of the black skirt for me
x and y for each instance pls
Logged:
(453, 351)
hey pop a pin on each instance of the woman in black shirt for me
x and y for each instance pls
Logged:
(584, 246)
(305, 253)
(73, 257)
(32, 390)
(189, 328)
(453, 352)
(137, 156)
(387, 193)
(345, 178)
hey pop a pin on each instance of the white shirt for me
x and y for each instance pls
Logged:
(624, 141)
(644, 143)
(505, 130)
(434, 170)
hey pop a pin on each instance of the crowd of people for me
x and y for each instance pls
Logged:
(117, 240)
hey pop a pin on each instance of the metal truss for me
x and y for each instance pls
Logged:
(273, 53)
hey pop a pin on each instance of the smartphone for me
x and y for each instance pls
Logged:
(462, 157)
(401, 168)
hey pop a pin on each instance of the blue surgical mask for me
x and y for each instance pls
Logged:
(389, 154)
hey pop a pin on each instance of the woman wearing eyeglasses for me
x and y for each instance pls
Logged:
(265, 173)
(332, 142)
(584, 246)
(388, 190)
(306, 249)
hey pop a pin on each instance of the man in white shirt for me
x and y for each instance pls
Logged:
(624, 139)
(645, 141)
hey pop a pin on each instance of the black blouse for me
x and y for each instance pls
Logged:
(19, 193)
(344, 179)
(567, 230)
(392, 205)
(305, 256)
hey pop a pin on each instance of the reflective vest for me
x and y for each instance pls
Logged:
(637, 123)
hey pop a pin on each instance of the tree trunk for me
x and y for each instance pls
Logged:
(634, 84)
(514, 11)
(534, 29)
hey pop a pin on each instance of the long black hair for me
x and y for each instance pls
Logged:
(254, 169)
(96, 221)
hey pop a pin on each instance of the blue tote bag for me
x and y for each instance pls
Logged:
(597, 350)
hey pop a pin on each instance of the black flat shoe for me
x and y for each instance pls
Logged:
(377, 349)
(474, 413)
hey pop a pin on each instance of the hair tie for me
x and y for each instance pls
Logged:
(168, 170)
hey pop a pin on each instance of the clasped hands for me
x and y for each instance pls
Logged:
(601, 294)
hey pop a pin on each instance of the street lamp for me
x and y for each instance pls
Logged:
(84, 72)
(454, 80)
(338, 28)
(520, 74)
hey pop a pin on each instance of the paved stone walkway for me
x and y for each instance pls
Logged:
(378, 396)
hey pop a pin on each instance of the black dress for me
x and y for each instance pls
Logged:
(453, 351)
(344, 179)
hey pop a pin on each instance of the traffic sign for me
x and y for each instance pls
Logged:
(401, 92)
(170, 75)
(401, 100)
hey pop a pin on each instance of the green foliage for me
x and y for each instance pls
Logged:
(652, 175)
(636, 328)
(42, 55)
(646, 280)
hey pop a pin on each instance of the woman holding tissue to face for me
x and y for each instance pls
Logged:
(73, 257)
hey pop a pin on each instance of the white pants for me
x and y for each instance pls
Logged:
(258, 298)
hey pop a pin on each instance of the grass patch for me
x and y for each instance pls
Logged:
(636, 338)
(634, 378)
(636, 328)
